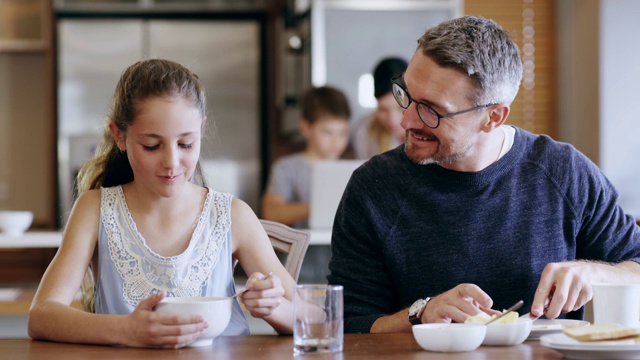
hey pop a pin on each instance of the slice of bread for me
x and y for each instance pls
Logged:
(599, 332)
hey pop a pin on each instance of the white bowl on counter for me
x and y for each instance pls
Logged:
(449, 337)
(507, 334)
(15, 223)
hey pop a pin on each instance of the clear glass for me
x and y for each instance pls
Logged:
(318, 319)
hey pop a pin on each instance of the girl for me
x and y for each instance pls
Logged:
(147, 231)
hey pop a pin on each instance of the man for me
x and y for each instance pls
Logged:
(471, 215)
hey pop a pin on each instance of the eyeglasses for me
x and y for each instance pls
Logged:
(427, 114)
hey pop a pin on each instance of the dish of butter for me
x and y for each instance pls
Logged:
(483, 317)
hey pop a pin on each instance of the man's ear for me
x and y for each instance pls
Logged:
(118, 135)
(497, 116)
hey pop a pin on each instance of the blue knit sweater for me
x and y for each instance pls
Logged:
(405, 231)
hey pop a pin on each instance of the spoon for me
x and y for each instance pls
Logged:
(245, 290)
(513, 307)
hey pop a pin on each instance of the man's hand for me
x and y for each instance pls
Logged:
(457, 304)
(564, 287)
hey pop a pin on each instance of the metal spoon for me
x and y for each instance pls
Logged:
(245, 290)
(513, 307)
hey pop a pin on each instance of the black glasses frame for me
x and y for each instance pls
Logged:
(397, 83)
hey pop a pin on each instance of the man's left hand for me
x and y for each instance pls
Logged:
(563, 287)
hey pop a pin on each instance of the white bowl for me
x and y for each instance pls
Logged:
(216, 311)
(15, 223)
(508, 334)
(451, 337)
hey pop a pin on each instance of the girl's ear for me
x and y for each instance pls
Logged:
(118, 135)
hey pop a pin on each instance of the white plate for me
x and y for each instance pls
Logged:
(545, 327)
(574, 349)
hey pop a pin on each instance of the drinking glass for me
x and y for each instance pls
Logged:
(318, 319)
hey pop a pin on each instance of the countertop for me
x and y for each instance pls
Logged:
(52, 239)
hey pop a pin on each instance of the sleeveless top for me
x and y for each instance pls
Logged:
(130, 271)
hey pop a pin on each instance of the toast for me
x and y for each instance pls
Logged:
(601, 332)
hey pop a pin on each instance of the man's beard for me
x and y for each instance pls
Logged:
(435, 158)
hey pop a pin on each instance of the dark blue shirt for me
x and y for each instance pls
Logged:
(405, 231)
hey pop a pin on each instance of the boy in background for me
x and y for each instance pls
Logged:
(325, 127)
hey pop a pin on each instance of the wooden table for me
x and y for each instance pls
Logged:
(267, 347)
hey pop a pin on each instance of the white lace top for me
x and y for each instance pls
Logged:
(129, 270)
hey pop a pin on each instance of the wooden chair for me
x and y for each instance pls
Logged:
(290, 245)
(288, 242)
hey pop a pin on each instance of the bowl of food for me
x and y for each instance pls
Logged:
(449, 337)
(505, 331)
(506, 334)
(15, 223)
(216, 311)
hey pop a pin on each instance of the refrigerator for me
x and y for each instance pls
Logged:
(225, 54)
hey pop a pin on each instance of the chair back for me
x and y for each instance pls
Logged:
(290, 242)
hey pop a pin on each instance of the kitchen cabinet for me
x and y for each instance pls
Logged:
(24, 25)
(27, 128)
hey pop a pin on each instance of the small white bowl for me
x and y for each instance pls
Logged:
(15, 223)
(508, 334)
(216, 311)
(452, 337)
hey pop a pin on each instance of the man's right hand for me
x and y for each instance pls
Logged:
(457, 304)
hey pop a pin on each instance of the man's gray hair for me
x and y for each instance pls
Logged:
(481, 49)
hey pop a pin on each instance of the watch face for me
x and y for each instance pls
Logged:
(416, 307)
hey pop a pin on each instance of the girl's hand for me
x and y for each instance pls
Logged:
(263, 295)
(148, 328)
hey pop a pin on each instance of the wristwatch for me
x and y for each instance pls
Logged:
(416, 310)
